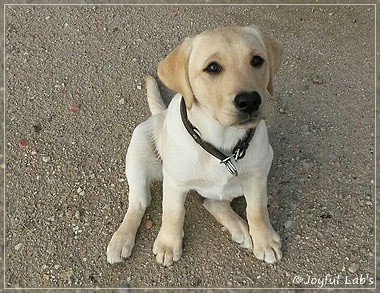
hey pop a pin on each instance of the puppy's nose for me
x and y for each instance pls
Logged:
(247, 102)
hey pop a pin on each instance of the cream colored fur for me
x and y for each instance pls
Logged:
(161, 148)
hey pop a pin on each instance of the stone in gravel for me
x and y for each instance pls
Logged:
(353, 268)
(288, 224)
(23, 143)
(18, 246)
(66, 276)
(317, 80)
(37, 128)
(74, 108)
(122, 101)
(80, 191)
(148, 224)
(139, 87)
(46, 159)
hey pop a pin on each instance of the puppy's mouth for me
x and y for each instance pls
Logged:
(247, 121)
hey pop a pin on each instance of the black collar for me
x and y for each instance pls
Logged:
(238, 151)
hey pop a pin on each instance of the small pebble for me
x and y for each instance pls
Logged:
(306, 166)
(18, 246)
(37, 128)
(122, 101)
(23, 143)
(57, 267)
(74, 108)
(46, 159)
(79, 190)
(148, 224)
(51, 219)
(353, 268)
(288, 224)
(139, 87)
(317, 80)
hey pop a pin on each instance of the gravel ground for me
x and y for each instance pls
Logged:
(75, 93)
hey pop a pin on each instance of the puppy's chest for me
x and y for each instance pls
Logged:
(222, 189)
(214, 181)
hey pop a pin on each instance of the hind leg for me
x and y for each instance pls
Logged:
(142, 166)
(225, 215)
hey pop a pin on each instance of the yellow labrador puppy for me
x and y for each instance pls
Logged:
(212, 139)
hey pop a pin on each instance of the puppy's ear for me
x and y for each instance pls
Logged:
(173, 71)
(275, 54)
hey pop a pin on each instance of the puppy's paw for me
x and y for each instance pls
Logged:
(240, 235)
(120, 247)
(167, 248)
(267, 245)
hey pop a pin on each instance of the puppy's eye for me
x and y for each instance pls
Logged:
(213, 68)
(257, 61)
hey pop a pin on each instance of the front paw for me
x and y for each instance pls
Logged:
(167, 248)
(240, 234)
(120, 247)
(267, 245)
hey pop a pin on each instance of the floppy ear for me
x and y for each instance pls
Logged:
(173, 71)
(275, 55)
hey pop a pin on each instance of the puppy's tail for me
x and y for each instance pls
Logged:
(156, 104)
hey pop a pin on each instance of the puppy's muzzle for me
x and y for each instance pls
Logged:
(247, 102)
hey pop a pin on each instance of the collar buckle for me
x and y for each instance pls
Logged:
(230, 166)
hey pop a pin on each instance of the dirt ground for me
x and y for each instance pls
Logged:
(74, 93)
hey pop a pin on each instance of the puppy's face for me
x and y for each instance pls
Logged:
(228, 71)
